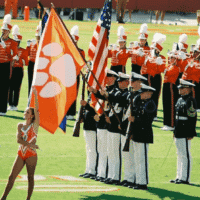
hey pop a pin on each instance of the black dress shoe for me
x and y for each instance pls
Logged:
(93, 177)
(81, 175)
(107, 180)
(113, 182)
(123, 182)
(182, 182)
(88, 175)
(173, 181)
(98, 178)
(130, 185)
(140, 187)
(102, 180)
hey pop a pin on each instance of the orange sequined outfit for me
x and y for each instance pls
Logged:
(28, 135)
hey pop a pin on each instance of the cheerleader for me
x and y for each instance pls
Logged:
(27, 155)
(75, 35)
(17, 71)
(8, 52)
(154, 65)
(119, 56)
(170, 92)
(32, 47)
(140, 50)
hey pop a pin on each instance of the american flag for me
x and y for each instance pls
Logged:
(98, 48)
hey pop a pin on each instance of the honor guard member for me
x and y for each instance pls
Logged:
(17, 71)
(115, 131)
(192, 73)
(124, 99)
(8, 52)
(32, 47)
(75, 35)
(102, 126)
(90, 135)
(144, 110)
(140, 50)
(154, 65)
(185, 130)
(170, 92)
(119, 56)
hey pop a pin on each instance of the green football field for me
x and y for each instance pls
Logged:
(62, 156)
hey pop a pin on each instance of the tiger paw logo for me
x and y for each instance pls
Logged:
(54, 70)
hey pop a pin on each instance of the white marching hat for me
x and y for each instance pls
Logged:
(122, 76)
(39, 29)
(110, 72)
(157, 41)
(182, 42)
(184, 84)
(143, 31)
(135, 77)
(145, 88)
(121, 34)
(16, 34)
(75, 33)
(6, 23)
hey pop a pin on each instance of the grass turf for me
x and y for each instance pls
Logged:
(61, 154)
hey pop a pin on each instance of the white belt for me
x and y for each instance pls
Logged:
(181, 118)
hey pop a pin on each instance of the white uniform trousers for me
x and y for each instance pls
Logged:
(102, 151)
(141, 162)
(128, 158)
(114, 155)
(184, 159)
(91, 151)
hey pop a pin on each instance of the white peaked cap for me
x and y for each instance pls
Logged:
(120, 31)
(146, 87)
(143, 28)
(136, 76)
(122, 75)
(199, 30)
(7, 19)
(15, 30)
(75, 30)
(184, 83)
(183, 38)
(109, 71)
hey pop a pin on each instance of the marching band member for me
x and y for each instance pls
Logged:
(75, 35)
(185, 130)
(140, 50)
(17, 71)
(192, 73)
(90, 135)
(144, 110)
(8, 52)
(154, 65)
(170, 92)
(32, 47)
(119, 56)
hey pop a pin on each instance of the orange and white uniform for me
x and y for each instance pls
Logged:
(23, 58)
(119, 59)
(10, 51)
(32, 51)
(138, 60)
(28, 135)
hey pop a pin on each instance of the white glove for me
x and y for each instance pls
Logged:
(159, 61)
(136, 44)
(29, 42)
(3, 44)
(16, 58)
(140, 52)
(182, 55)
(110, 47)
